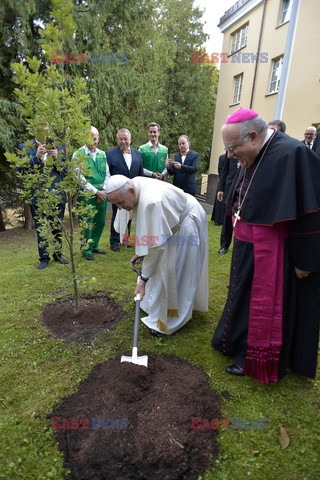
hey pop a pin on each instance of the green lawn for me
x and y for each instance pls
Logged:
(37, 371)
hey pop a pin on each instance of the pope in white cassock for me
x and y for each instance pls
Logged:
(171, 234)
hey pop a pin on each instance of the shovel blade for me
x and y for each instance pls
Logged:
(143, 360)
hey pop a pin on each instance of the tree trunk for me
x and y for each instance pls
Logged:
(76, 293)
(2, 225)
(28, 220)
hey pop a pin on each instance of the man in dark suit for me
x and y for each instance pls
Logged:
(38, 156)
(219, 207)
(229, 171)
(316, 144)
(184, 166)
(122, 160)
(309, 136)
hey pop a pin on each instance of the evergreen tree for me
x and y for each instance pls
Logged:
(190, 87)
(20, 24)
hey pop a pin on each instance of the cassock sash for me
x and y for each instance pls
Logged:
(265, 315)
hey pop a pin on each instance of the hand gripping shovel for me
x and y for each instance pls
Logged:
(143, 360)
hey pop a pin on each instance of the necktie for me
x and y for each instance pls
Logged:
(309, 144)
(125, 151)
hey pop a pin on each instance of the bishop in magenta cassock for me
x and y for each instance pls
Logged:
(271, 316)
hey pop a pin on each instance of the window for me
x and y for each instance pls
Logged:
(285, 11)
(276, 75)
(237, 87)
(239, 39)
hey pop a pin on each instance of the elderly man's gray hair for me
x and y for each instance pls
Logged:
(257, 124)
(123, 130)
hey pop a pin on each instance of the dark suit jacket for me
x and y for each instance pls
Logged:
(185, 177)
(56, 174)
(304, 142)
(229, 171)
(118, 166)
(316, 144)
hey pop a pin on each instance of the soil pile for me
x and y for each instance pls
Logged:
(131, 422)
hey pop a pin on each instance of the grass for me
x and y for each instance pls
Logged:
(37, 371)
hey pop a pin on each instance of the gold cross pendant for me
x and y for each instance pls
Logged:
(237, 217)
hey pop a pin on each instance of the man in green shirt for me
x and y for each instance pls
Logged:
(95, 180)
(154, 155)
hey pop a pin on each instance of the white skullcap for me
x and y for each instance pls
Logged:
(115, 182)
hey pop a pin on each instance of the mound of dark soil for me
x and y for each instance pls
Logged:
(131, 422)
(96, 312)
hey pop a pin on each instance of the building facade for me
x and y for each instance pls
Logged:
(270, 63)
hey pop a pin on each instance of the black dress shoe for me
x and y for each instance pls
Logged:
(115, 248)
(101, 252)
(43, 264)
(89, 256)
(154, 333)
(57, 257)
(222, 251)
(235, 370)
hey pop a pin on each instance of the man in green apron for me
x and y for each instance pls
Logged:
(97, 173)
(154, 155)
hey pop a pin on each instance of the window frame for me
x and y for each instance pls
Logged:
(274, 76)
(285, 12)
(237, 88)
(239, 38)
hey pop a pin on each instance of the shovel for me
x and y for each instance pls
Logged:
(143, 360)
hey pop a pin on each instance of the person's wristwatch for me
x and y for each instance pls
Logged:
(145, 279)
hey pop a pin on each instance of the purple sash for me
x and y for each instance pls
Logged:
(265, 316)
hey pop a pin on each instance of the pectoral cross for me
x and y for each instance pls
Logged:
(237, 217)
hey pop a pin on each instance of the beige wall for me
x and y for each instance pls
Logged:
(302, 105)
(302, 101)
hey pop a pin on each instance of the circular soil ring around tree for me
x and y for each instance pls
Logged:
(96, 312)
(132, 422)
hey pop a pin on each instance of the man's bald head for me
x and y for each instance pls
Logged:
(310, 134)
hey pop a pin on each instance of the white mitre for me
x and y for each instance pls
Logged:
(115, 182)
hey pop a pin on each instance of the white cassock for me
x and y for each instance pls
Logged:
(171, 232)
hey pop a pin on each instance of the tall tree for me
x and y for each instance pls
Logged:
(190, 87)
(20, 22)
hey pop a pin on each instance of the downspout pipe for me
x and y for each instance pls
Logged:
(287, 58)
(258, 53)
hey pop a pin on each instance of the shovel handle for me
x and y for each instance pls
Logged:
(134, 268)
(136, 319)
(137, 297)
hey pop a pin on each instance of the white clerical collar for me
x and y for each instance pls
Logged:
(269, 133)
